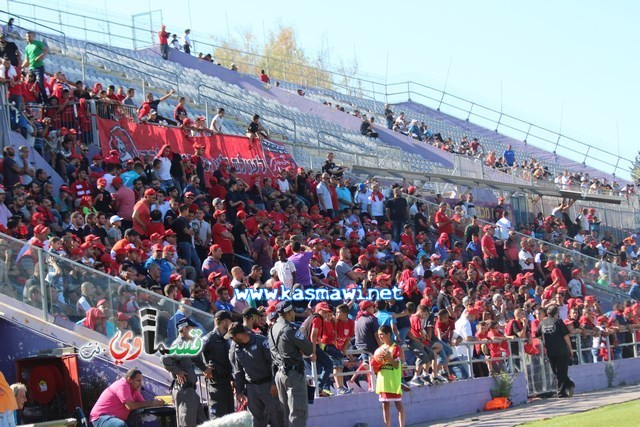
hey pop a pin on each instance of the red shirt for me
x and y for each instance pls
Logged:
(81, 188)
(225, 244)
(326, 332)
(30, 92)
(442, 217)
(155, 227)
(218, 190)
(556, 273)
(345, 330)
(251, 224)
(163, 37)
(145, 215)
(489, 245)
(481, 336)
(445, 330)
(417, 330)
(496, 349)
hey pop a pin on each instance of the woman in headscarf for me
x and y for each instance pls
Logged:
(442, 246)
(95, 320)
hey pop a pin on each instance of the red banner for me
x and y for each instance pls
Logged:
(139, 140)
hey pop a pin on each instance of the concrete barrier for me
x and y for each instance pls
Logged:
(422, 404)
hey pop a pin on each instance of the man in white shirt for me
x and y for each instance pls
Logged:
(362, 198)
(324, 195)
(377, 203)
(526, 257)
(469, 207)
(186, 42)
(503, 226)
(216, 123)
(285, 269)
(583, 219)
(463, 330)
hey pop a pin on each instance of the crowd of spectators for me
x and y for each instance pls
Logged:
(529, 169)
(160, 225)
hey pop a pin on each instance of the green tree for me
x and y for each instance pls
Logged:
(283, 59)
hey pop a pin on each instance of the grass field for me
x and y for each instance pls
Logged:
(620, 415)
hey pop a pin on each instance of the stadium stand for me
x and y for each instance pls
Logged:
(117, 221)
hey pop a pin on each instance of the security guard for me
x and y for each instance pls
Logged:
(287, 345)
(181, 361)
(252, 371)
(215, 351)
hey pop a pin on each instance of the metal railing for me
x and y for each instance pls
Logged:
(87, 53)
(393, 159)
(262, 109)
(5, 116)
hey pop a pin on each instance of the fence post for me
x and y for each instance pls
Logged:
(579, 350)
(314, 374)
(43, 284)
(470, 358)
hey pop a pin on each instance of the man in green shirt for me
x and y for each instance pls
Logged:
(34, 54)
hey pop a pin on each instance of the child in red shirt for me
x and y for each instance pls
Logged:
(497, 349)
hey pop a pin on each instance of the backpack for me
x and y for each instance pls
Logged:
(306, 325)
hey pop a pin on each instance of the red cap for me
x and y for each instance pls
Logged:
(576, 271)
(41, 229)
(488, 227)
(322, 306)
(169, 248)
(213, 275)
(219, 212)
(123, 316)
(214, 247)
(364, 305)
(175, 276)
(150, 192)
(550, 264)
(169, 232)
(242, 215)
(156, 236)
(158, 247)
(117, 181)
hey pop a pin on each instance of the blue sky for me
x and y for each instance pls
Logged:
(569, 66)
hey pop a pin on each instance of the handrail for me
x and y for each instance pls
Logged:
(269, 111)
(22, 18)
(42, 254)
(363, 147)
(5, 116)
(232, 107)
(177, 77)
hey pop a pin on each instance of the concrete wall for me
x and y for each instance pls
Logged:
(421, 404)
(456, 399)
(593, 376)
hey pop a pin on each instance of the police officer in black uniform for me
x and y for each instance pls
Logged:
(288, 345)
(555, 335)
(215, 351)
(181, 365)
(253, 375)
